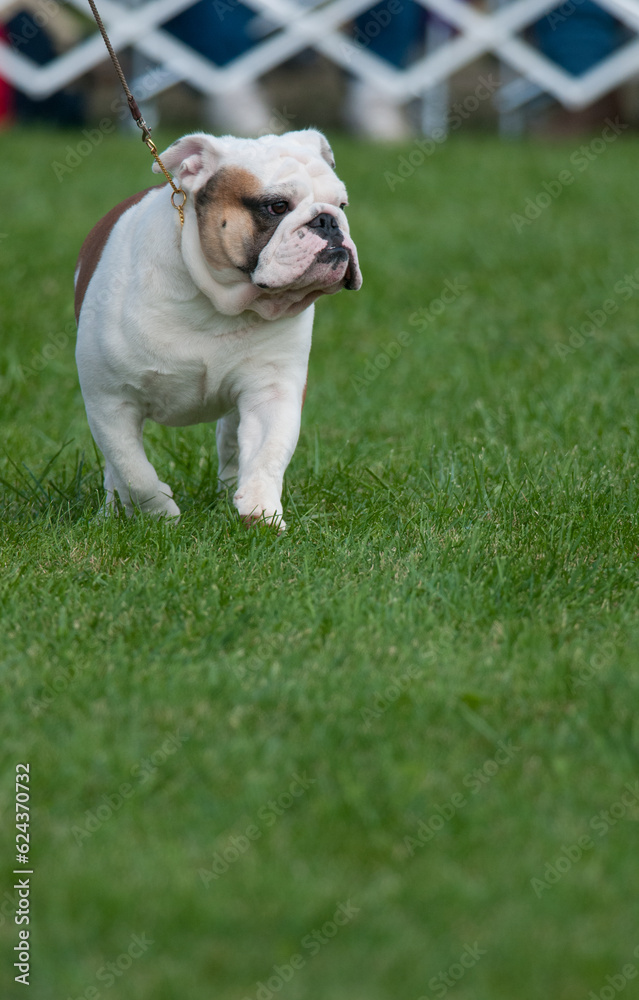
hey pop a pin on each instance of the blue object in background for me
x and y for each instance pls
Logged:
(216, 29)
(393, 30)
(579, 35)
(65, 108)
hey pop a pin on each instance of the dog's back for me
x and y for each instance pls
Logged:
(94, 244)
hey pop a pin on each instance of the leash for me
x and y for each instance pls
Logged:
(137, 115)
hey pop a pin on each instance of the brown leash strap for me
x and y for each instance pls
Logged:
(137, 115)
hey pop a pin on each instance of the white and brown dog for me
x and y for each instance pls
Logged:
(212, 321)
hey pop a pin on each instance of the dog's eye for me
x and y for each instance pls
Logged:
(278, 207)
(344, 205)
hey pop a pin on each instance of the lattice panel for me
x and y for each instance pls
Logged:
(319, 28)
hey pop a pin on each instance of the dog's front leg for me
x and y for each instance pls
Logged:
(267, 436)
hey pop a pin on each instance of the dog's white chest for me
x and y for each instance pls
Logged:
(188, 396)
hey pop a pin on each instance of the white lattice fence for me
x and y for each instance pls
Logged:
(477, 33)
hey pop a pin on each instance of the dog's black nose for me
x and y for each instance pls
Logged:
(325, 224)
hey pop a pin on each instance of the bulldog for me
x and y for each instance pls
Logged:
(212, 320)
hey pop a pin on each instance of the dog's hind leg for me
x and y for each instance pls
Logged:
(228, 450)
(108, 506)
(117, 429)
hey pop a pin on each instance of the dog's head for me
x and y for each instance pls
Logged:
(268, 218)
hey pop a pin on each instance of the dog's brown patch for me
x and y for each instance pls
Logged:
(93, 246)
(233, 230)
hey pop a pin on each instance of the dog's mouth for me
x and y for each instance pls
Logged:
(332, 267)
(350, 283)
(332, 263)
(339, 258)
(333, 256)
(344, 256)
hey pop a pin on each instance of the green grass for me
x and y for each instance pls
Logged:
(460, 569)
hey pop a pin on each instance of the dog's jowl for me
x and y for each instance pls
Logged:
(212, 321)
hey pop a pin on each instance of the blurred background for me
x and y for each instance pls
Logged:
(461, 565)
(388, 72)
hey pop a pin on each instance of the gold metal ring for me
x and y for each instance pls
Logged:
(183, 202)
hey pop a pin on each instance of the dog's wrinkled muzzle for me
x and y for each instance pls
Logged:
(310, 252)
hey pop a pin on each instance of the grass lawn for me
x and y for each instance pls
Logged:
(393, 754)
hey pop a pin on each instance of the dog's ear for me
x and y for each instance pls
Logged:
(316, 140)
(191, 159)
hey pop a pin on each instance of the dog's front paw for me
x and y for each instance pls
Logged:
(273, 520)
(253, 511)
